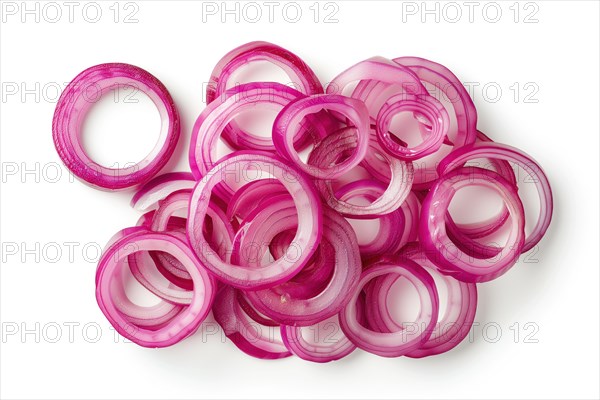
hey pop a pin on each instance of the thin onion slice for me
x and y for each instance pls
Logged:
(183, 324)
(278, 305)
(308, 208)
(443, 252)
(76, 100)
(289, 121)
(393, 344)
(147, 197)
(508, 153)
(248, 335)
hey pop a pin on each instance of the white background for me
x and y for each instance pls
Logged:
(557, 291)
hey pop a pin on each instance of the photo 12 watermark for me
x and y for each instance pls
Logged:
(253, 12)
(53, 12)
(453, 12)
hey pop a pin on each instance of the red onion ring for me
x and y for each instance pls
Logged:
(303, 78)
(217, 115)
(288, 123)
(276, 303)
(393, 344)
(308, 208)
(397, 191)
(426, 106)
(443, 252)
(73, 105)
(184, 323)
(247, 334)
(508, 153)
(158, 188)
(325, 348)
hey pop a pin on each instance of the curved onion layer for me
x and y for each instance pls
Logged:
(426, 106)
(251, 195)
(481, 229)
(289, 121)
(158, 188)
(465, 235)
(76, 100)
(393, 344)
(452, 326)
(302, 77)
(396, 192)
(184, 323)
(376, 69)
(248, 335)
(256, 234)
(277, 304)
(508, 153)
(443, 252)
(444, 82)
(151, 269)
(242, 166)
(325, 347)
(385, 242)
(216, 116)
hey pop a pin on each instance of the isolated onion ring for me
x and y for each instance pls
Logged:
(73, 105)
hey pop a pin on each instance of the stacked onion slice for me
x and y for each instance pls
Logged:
(262, 236)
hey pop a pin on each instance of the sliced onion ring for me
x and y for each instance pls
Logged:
(393, 344)
(308, 208)
(505, 152)
(279, 306)
(75, 102)
(147, 197)
(181, 326)
(443, 252)
(325, 347)
(288, 123)
(247, 334)
(426, 106)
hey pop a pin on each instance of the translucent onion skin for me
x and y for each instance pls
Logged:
(181, 325)
(75, 102)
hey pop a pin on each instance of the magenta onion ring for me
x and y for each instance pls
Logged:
(508, 153)
(325, 349)
(443, 252)
(183, 324)
(287, 310)
(393, 344)
(214, 119)
(393, 197)
(73, 105)
(247, 334)
(428, 107)
(303, 78)
(308, 208)
(147, 197)
(288, 123)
